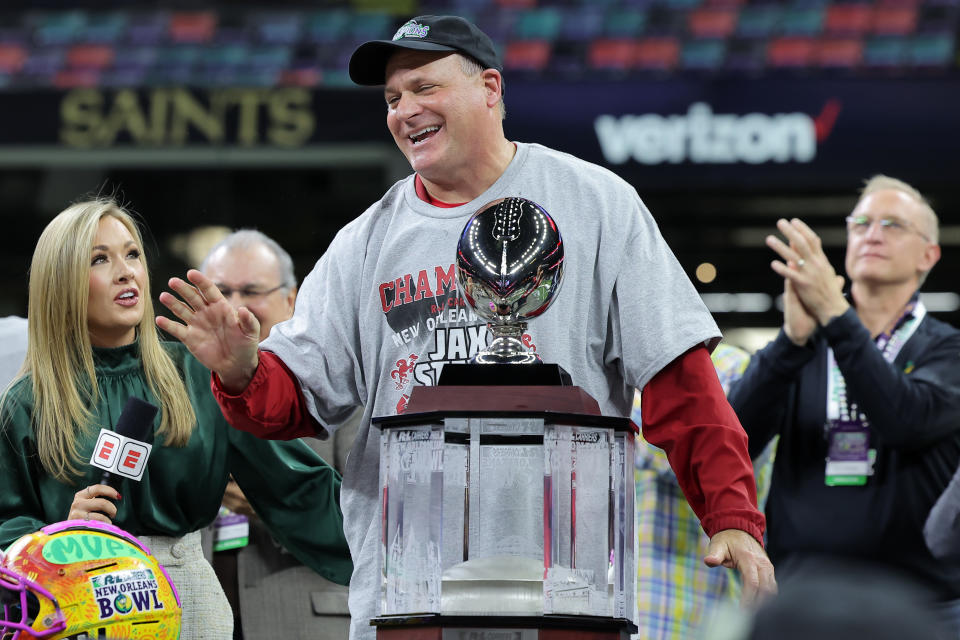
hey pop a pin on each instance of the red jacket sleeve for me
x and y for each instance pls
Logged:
(271, 407)
(685, 413)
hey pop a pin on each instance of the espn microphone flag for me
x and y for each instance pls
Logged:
(124, 451)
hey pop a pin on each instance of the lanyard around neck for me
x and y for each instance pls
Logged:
(838, 405)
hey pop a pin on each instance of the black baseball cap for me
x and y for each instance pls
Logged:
(423, 33)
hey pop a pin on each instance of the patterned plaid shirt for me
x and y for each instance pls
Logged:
(675, 589)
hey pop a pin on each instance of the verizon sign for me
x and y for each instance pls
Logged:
(701, 136)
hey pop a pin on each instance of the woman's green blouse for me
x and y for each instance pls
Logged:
(295, 493)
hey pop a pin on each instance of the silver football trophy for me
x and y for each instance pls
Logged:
(509, 269)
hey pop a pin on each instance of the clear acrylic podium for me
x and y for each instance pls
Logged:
(506, 509)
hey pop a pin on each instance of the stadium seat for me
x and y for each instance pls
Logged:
(625, 23)
(257, 77)
(658, 53)
(802, 21)
(12, 57)
(90, 56)
(108, 27)
(790, 52)
(703, 55)
(839, 53)
(44, 62)
(165, 75)
(931, 50)
(278, 28)
(884, 52)
(337, 78)
(15, 34)
(269, 57)
(76, 78)
(537, 24)
(62, 27)
(759, 21)
(226, 55)
(709, 22)
(582, 23)
(123, 77)
(894, 21)
(136, 56)
(178, 56)
(496, 24)
(612, 54)
(148, 28)
(302, 77)
(194, 27)
(848, 19)
(371, 26)
(526, 55)
(326, 26)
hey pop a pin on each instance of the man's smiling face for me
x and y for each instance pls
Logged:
(435, 111)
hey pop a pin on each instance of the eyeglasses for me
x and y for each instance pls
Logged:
(891, 227)
(247, 292)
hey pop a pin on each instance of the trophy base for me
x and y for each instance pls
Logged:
(498, 585)
(470, 374)
(430, 626)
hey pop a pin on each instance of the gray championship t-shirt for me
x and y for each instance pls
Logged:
(380, 314)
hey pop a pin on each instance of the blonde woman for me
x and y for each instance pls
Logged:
(92, 345)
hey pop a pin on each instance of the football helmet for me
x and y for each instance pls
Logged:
(85, 579)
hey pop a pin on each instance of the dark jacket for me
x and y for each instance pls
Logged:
(913, 407)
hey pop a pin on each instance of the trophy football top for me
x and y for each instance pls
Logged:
(510, 260)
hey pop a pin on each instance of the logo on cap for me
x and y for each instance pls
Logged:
(412, 30)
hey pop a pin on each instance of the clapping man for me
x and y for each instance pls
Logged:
(864, 391)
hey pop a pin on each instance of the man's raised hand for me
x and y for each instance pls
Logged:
(224, 339)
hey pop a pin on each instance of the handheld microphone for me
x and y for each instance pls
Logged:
(123, 452)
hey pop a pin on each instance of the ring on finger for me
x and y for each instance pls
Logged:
(800, 263)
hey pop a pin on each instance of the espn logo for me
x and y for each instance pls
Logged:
(121, 455)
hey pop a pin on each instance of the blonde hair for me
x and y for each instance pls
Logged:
(881, 182)
(59, 356)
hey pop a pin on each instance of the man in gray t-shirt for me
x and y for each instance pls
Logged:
(380, 313)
